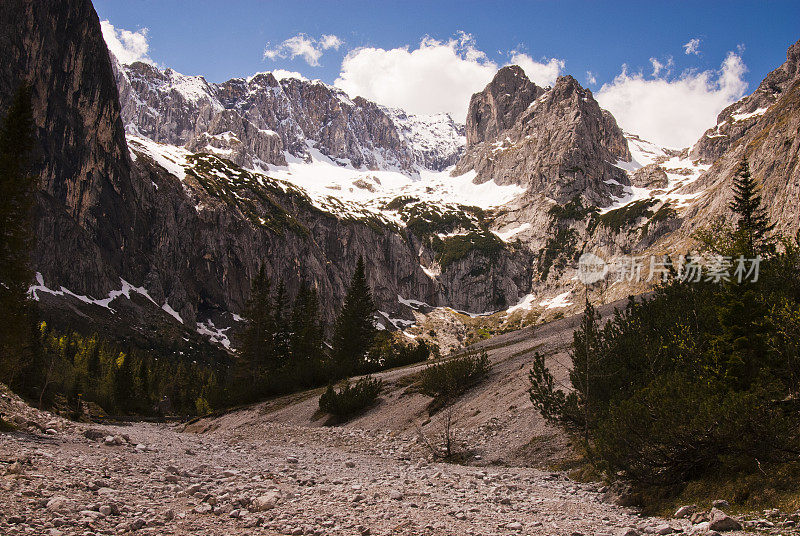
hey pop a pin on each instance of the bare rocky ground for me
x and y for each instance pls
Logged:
(276, 468)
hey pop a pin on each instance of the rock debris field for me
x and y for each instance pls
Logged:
(69, 479)
(152, 479)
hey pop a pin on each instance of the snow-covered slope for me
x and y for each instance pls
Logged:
(436, 141)
(347, 191)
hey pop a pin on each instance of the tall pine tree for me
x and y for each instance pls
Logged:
(256, 350)
(17, 187)
(355, 329)
(280, 327)
(307, 337)
(753, 225)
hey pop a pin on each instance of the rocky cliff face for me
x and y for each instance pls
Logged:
(82, 159)
(763, 127)
(254, 121)
(498, 106)
(177, 231)
(556, 142)
(734, 122)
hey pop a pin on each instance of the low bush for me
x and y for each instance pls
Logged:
(6, 426)
(351, 399)
(388, 352)
(445, 381)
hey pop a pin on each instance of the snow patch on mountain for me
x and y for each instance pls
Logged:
(436, 140)
(680, 169)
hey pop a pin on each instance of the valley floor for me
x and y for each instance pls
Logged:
(275, 468)
(310, 481)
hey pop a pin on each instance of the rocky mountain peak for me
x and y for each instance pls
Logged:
(495, 109)
(559, 141)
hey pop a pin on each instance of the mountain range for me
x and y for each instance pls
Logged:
(161, 195)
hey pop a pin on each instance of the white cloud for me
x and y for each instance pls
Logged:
(280, 74)
(437, 76)
(590, 77)
(673, 111)
(542, 74)
(309, 48)
(658, 66)
(692, 47)
(127, 46)
(330, 41)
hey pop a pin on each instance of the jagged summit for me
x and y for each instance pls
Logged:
(556, 141)
(497, 107)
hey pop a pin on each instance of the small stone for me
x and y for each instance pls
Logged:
(720, 503)
(265, 502)
(203, 508)
(685, 511)
(514, 525)
(14, 469)
(57, 503)
(349, 464)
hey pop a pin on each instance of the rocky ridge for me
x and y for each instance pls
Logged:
(259, 120)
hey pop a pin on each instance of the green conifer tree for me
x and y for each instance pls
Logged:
(306, 335)
(280, 327)
(17, 186)
(256, 349)
(355, 329)
(753, 224)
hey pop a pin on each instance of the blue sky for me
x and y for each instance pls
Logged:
(224, 40)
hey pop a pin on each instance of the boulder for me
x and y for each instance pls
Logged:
(650, 176)
(685, 511)
(265, 502)
(723, 522)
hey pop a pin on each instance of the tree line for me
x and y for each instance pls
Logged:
(285, 349)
